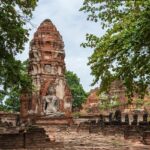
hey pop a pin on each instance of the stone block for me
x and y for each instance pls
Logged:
(146, 137)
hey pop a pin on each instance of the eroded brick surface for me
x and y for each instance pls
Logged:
(47, 68)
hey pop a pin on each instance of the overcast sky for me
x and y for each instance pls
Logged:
(72, 25)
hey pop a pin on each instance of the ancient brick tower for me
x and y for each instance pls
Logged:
(47, 68)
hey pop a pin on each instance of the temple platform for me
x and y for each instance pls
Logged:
(48, 120)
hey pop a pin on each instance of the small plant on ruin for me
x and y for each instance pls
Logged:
(139, 103)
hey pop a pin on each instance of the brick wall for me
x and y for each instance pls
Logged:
(33, 138)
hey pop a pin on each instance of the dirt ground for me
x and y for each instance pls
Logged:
(86, 141)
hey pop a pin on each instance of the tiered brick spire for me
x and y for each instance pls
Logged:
(47, 68)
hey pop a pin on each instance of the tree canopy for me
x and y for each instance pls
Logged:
(14, 15)
(123, 52)
(78, 93)
(9, 97)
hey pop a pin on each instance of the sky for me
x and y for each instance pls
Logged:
(73, 26)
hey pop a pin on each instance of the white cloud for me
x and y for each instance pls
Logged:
(73, 26)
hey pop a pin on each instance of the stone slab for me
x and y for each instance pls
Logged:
(54, 121)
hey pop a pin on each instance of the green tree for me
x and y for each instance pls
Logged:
(78, 93)
(9, 99)
(123, 53)
(12, 102)
(14, 15)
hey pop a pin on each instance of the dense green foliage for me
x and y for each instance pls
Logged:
(78, 93)
(123, 53)
(14, 14)
(13, 17)
(9, 97)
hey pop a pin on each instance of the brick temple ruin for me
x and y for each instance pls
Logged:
(51, 95)
(116, 92)
(45, 119)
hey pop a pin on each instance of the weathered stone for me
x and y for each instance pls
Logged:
(135, 119)
(101, 121)
(145, 120)
(47, 68)
(133, 134)
(117, 118)
(91, 105)
(83, 126)
(145, 117)
(146, 137)
(31, 138)
(126, 119)
(110, 117)
(9, 119)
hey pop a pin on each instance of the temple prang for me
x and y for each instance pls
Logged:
(47, 70)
